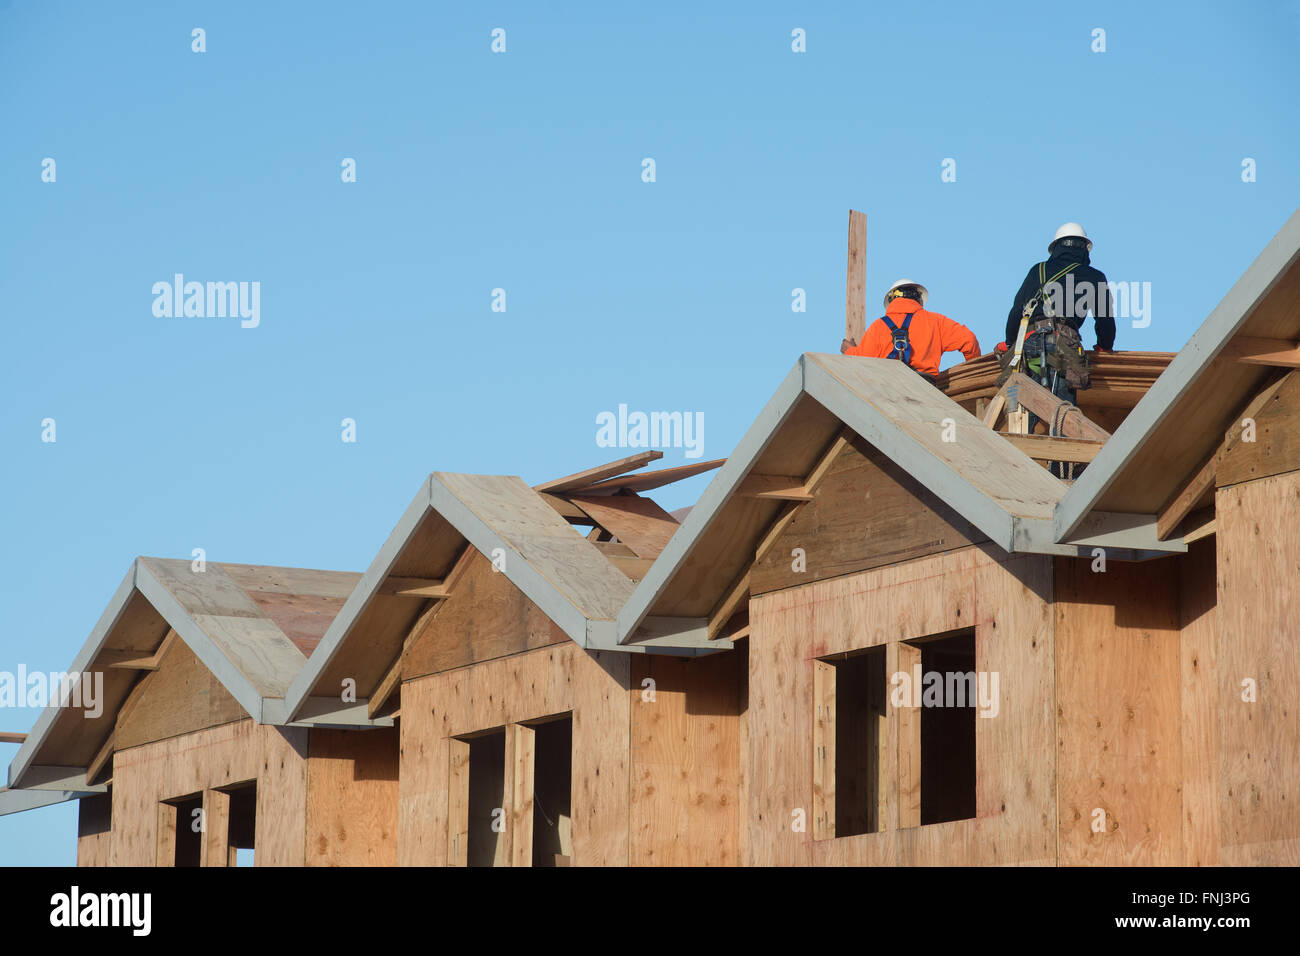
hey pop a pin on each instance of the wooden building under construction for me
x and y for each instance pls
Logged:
(566, 675)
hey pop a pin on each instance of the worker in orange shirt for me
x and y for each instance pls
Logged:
(911, 334)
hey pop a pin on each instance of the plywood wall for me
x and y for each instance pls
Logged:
(352, 798)
(685, 719)
(1258, 527)
(439, 708)
(180, 697)
(868, 513)
(488, 618)
(276, 757)
(1198, 618)
(1007, 600)
(94, 830)
(1119, 713)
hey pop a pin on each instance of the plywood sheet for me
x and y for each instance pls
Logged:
(180, 697)
(638, 522)
(685, 771)
(1258, 536)
(486, 617)
(352, 798)
(867, 512)
(561, 678)
(1119, 711)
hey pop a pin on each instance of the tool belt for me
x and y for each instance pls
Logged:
(1052, 343)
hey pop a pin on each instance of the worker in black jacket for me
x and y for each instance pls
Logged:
(1051, 305)
(1070, 246)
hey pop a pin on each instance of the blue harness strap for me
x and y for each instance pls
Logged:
(902, 344)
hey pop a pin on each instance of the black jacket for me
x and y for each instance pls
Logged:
(1103, 310)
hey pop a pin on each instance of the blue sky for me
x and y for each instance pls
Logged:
(522, 171)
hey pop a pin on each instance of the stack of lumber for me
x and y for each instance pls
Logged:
(1122, 376)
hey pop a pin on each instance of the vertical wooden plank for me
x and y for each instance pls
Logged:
(523, 748)
(823, 750)
(1258, 671)
(214, 845)
(855, 295)
(458, 804)
(165, 854)
(909, 741)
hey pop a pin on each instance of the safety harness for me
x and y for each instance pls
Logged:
(902, 343)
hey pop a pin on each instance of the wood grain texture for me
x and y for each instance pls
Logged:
(638, 522)
(487, 618)
(867, 512)
(1258, 542)
(558, 679)
(182, 696)
(1198, 616)
(352, 797)
(1119, 713)
(685, 759)
(1007, 600)
(569, 562)
(1276, 448)
(222, 756)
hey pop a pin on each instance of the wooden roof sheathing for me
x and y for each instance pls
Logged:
(215, 612)
(979, 474)
(556, 568)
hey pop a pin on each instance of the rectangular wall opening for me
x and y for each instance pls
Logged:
(553, 792)
(946, 732)
(487, 769)
(188, 836)
(242, 830)
(851, 730)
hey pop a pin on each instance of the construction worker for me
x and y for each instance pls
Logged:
(911, 334)
(1051, 306)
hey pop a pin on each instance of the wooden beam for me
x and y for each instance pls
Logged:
(521, 747)
(1185, 498)
(1048, 448)
(647, 480)
(994, 411)
(599, 473)
(393, 677)
(909, 743)
(1260, 351)
(739, 589)
(101, 758)
(414, 587)
(1198, 525)
(165, 842)
(7, 738)
(127, 660)
(730, 603)
(855, 294)
(823, 795)
(779, 487)
(215, 848)
(1034, 398)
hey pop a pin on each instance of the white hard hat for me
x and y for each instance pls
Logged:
(1070, 229)
(899, 283)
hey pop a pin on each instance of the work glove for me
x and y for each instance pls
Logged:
(845, 345)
